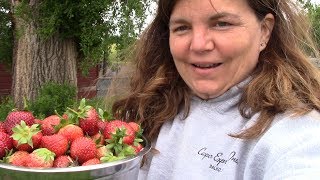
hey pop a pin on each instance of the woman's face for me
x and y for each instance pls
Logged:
(215, 45)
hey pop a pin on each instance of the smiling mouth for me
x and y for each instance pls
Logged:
(206, 66)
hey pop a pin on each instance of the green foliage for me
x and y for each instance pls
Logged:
(6, 36)
(94, 25)
(313, 11)
(315, 16)
(95, 102)
(23, 11)
(53, 96)
(6, 106)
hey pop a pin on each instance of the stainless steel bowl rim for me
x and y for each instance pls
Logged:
(144, 151)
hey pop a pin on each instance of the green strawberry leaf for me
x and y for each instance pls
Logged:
(16, 136)
(35, 127)
(138, 140)
(120, 140)
(127, 151)
(110, 146)
(25, 104)
(23, 133)
(23, 141)
(45, 154)
(6, 158)
(63, 121)
(87, 108)
(104, 115)
(101, 114)
(82, 103)
(109, 157)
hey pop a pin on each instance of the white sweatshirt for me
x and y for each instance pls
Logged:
(199, 148)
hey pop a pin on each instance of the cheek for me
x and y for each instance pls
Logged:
(244, 60)
(240, 41)
(241, 57)
(244, 49)
(178, 47)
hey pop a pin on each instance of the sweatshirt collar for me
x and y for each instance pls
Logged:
(227, 100)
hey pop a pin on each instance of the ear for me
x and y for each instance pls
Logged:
(267, 25)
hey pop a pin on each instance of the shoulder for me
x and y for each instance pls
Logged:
(287, 131)
(300, 127)
(290, 147)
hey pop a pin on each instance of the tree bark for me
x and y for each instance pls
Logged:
(37, 61)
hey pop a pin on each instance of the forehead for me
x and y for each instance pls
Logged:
(198, 7)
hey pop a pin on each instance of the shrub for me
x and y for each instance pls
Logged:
(6, 105)
(53, 96)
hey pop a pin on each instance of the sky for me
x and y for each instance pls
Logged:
(316, 1)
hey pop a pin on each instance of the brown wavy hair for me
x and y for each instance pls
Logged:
(285, 80)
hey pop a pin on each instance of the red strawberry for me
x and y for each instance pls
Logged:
(86, 117)
(137, 147)
(98, 139)
(102, 151)
(112, 126)
(5, 144)
(19, 158)
(53, 119)
(36, 141)
(101, 125)
(2, 129)
(15, 117)
(37, 121)
(128, 139)
(89, 124)
(104, 116)
(83, 149)
(63, 161)
(135, 126)
(47, 129)
(26, 138)
(91, 162)
(55, 143)
(71, 132)
(40, 158)
(48, 124)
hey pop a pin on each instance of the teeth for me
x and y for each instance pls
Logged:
(206, 65)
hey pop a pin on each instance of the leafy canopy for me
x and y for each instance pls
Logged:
(6, 37)
(313, 11)
(315, 16)
(94, 25)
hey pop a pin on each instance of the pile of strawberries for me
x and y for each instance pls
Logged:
(79, 137)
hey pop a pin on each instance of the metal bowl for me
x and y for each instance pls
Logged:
(125, 169)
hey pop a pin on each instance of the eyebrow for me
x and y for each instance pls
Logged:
(211, 18)
(224, 14)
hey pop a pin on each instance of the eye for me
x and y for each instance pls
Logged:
(180, 28)
(222, 24)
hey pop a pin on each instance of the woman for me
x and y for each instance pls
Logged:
(224, 90)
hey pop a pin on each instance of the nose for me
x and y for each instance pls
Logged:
(201, 41)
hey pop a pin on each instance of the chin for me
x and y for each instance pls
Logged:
(206, 96)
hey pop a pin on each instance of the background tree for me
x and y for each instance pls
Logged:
(52, 38)
(313, 12)
(6, 36)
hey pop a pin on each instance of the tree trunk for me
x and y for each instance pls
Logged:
(37, 61)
